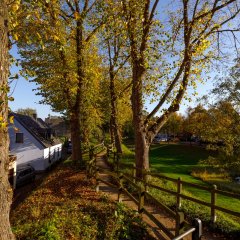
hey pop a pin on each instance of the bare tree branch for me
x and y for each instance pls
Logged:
(70, 6)
(168, 91)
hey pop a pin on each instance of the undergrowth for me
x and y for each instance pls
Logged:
(65, 206)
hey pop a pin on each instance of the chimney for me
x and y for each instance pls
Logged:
(35, 116)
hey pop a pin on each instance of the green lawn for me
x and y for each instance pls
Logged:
(175, 160)
(178, 160)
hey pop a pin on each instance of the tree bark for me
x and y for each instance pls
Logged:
(76, 121)
(141, 151)
(142, 142)
(114, 124)
(5, 188)
(75, 138)
(111, 132)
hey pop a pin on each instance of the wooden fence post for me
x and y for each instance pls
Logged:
(97, 179)
(146, 180)
(108, 152)
(118, 159)
(179, 191)
(134, 172)
(91, 169)
(179, 222)
(91, 152)
(197, 234)
(87, 169)
(213, 204)
(120, 187)
(114, 160)
(141, 200)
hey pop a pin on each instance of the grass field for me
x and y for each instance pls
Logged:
(175, 160)
(178, 160)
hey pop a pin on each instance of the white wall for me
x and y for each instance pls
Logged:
(52, 154)
(13, 166)
(28, 152)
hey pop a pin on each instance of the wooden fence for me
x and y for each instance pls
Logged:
(140, 195)
(180, 184)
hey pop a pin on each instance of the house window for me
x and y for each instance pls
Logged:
(19, 137)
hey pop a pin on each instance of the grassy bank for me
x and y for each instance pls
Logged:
(65, 206)
(176, 160)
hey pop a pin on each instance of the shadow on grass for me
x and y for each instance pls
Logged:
(176, 158)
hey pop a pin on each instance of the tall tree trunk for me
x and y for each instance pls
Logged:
(79, 97)
(114, 124)
(75, 138)
(111, 132)
(141, 151)
(74, 117)
(84, 128)
(142, 143)
(5, 188)
(117, 136)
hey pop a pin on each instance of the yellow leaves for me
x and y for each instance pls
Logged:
(11, 119)
(3, 125)
(201, 47)
(15, 6)
(37, 15)
(39, 36)
(77, 16)
(56, 38)
(15, 36)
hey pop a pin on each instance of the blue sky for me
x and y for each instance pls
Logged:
(23, 94)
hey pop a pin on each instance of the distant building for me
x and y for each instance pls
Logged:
(60, 126)
(32, 142)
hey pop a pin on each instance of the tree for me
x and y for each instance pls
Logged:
(183, 57)
(59, 57)
(219, 127)
(224, 129)
(174, 125)
(115, 105)
(227, 88)
(116, 51)
(197, 122)
(5, 189)
(26, 111)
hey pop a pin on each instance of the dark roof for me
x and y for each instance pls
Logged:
(37, 127)
(42, 123)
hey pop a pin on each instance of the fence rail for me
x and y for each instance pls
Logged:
(139, 197)
(143, 192)
(180, 184)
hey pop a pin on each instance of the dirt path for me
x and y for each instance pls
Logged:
(164, 218)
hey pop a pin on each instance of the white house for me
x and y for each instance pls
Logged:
(12, 170)
(32, 143)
